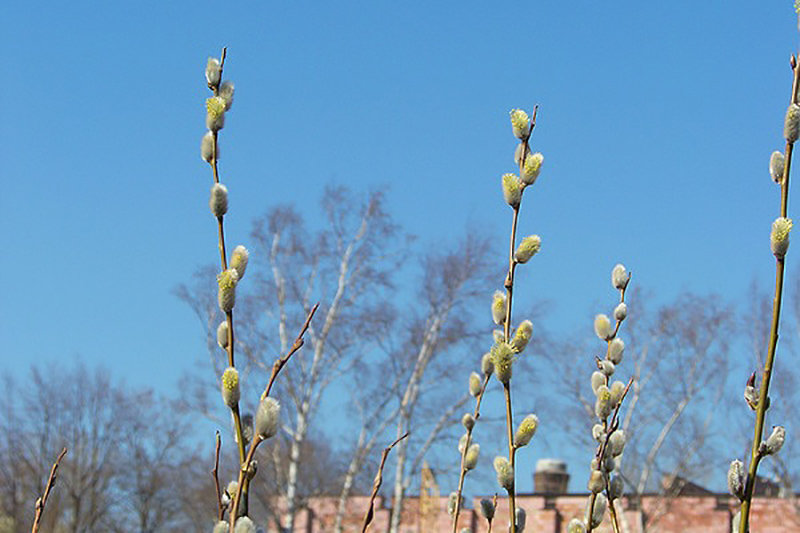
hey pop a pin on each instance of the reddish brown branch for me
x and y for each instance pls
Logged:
(215, 473)
(377, 485)
(281, 361)
(40, 502)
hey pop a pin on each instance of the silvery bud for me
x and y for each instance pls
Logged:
(615, 349)
(512, 190)
(462, 443)
(454, 502)
(791, 125)
(239, 260)
(207, 148)
(777, 163)
(231, 489)
(531, 168)
(597, 482)
(267, 417)
(615, 488)
(244, 525)
(230, 387)
(226, 296)
(526, 430)
(226, 93)
(222, 334)
(221, 527)
(215, 113)
(576, 526)
(487, 509)
(468, 421)
(606, 367)
(598, 432)
(603, 406)
(505, 473)
(247, 429)
(617, 390)
(213, 71)
(600, 505)
(774, 442)
(503, 359)
(522, 336)
(471, 459)
(598, 378)
(616, 443)
(520, 123)
(499, 308)
(620, 277)
(520, 519)
(475, 384)
(498, 334)
(620, 312)
(779, 236)
(487, 367)
(219, 200)
(529, 247)
(602, 327)
(736, 479)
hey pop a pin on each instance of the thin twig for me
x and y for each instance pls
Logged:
(280, 362)
(42, 501)
(215, 474)
(763, 396)
(377, 485)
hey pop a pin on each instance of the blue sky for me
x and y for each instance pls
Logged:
(656, 121)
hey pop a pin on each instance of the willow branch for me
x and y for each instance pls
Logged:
(215, 474)
(377, 485)
(42, 501)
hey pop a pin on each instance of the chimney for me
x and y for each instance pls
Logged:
(550, 477)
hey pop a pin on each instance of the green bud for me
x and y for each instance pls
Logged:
(531, 168)
(525, 431)
(777, 162)
(512, 190)
(602, 327)
(529, 247)
(779, 237)
(503, 359)
(522, 336)
(230, 387)
(219, 200)
(267, 417)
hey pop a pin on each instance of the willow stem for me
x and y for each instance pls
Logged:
(763, 396)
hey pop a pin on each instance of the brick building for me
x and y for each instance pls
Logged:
(689, 509)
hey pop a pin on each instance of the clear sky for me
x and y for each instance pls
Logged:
(656, 121)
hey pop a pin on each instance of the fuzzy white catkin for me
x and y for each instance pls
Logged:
(503, 360)
(598, 378)
(499, 307)
(226, 93)
(247, 429)
(222, 334)
(615, 488)
(453, 502)
(617, 390)
(221, 527)
(779, 236)
(230, 387)
(774, 442)
(522, 336)
(471, 459)
(520, 123)
(512, 190)
(226, 295)
(607, 367)
(231, 488)
(615, 349)
(777, 163)
(462, 443)
(215, 113)
(522, 148)
(218, 202)
(576, 526)
(616, 443)
(736, 478)
(487, 367)
(267, 417)
(619, 276)
(526, 431)
(597, 482)
(519, 519)
(791, 125)
(620, 312)
(598, 433)
(239, 260)
(213, 71)
(602, 326)
(244, 525)
(531, 168)
(468, 421)
(474, 385)
(207, 148)
(529, 247)
(505, 473)
(603, 406)
(600, 505)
